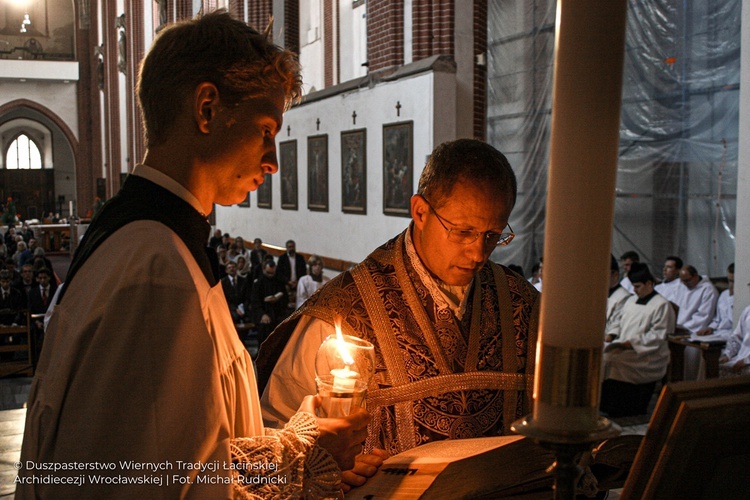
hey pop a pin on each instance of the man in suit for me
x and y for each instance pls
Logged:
(25, 280)
(237, 293)
(291, 267)
(39, 299)
(12, 301)
(257, 255)
(268, 300)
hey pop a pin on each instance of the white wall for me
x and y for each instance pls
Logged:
(335, 234)
(408, 31)
(353, 36)
(311, 44)
(58, 97)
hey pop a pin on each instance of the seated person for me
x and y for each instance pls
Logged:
(671, 283)
(39, 300)
(12, 302)
(243, 267)
(268, 301)
(25, 280)
(638, 356)
(735, 358)
(696, 299)
(309, 283)
(239, 248)
(237, 294)
(615, 301)
(257, 254)
(721, 325)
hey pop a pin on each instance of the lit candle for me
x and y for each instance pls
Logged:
(344, 379)
(590, 41)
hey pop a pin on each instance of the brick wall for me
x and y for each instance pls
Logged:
(291, 25)
(328, 39)
(433, 29)
(136, 52)
(112, 146)
(259, 13)
(237, 9)
(385, 35)
(88, 155)
(184, 9)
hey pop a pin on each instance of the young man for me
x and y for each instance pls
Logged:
(291, 265)
(722, 324)
(237, 292)
(628, 259)
(671, 278)
(268, 300)
(12, 301)
(696, 299)
(615, 302)
(639, 355)
(142, 364)
(454, 333)
(735, 358)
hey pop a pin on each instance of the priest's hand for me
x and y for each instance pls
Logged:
(341, 437)
(704, 331)
(365, 466)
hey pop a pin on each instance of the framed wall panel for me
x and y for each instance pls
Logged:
(398, 168)
(354, 171)
(317, 173)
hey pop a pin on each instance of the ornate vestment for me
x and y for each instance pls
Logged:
(436, 376)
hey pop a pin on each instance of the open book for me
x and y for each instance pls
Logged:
(488, 467)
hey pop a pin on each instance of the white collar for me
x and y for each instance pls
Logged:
(445, 296)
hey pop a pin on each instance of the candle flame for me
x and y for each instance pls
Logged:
(341, 344)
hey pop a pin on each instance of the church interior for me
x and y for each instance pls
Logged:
(384, 83)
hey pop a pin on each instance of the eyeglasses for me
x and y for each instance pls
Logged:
(467, 236)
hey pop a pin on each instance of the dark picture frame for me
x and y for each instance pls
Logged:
(246, 202)
(354, 171)
(288, 174)
(398, 168)
(317, 173)
(264, 193)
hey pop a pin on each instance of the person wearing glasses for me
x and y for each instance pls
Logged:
(454, 333)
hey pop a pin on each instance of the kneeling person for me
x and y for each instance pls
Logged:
(639, 355)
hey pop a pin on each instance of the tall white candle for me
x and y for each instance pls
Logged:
(589, 50)
(70, 208)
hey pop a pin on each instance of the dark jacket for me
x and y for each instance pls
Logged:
(284, 268)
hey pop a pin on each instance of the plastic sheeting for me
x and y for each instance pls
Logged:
(677, 168)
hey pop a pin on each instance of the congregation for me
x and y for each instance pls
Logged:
(27, 283)
(262, 291)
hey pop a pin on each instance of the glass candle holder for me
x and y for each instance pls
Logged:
(344, 366)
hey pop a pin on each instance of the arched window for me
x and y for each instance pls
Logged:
(23, 153)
